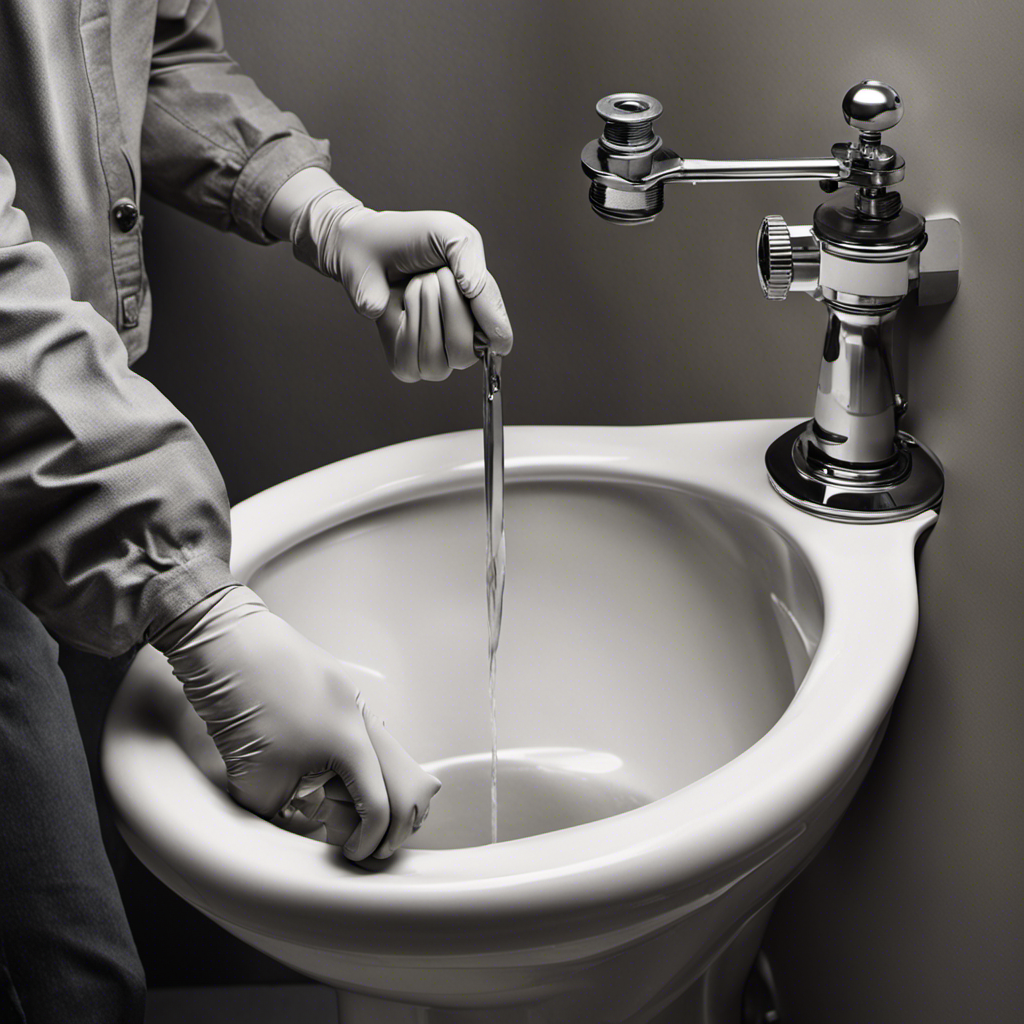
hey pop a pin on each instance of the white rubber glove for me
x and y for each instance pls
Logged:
(421, 275)
(285, 717)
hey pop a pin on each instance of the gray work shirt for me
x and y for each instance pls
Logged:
(113, 515)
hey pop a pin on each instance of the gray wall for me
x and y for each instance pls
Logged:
(913, 912)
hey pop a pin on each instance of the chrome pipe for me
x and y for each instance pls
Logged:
(855, 409)
(701, 171)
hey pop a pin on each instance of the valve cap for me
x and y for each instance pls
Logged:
(629, 121)
(774, 257)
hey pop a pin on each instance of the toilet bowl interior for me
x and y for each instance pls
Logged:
(650, 635)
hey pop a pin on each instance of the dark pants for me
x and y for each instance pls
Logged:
(66, 953)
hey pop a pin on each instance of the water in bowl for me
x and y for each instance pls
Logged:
(543, 789)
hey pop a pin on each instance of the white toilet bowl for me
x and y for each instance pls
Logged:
(693, 679)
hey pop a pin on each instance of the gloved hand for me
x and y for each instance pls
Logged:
(282, 713)
(327, 802)
(421, 275)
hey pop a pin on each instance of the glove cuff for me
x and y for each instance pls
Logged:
(309, 226)
(203, 617)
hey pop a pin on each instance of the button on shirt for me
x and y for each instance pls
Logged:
(126, 214)
(113, 516)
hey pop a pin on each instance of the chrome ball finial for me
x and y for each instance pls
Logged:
(872, 106)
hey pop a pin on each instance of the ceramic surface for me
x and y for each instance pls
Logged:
(693, 677)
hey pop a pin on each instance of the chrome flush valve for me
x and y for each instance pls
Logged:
(863, 254)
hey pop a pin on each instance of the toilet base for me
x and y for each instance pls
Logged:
(714, 998)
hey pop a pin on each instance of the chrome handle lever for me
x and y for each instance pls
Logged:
(797, 169)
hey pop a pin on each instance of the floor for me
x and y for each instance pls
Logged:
(242, 1004)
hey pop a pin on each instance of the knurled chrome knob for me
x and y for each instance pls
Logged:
(872, 106)
(774, 257)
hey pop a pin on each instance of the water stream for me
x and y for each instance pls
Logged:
(494, 497)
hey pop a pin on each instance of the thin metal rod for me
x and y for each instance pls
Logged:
(700, 171)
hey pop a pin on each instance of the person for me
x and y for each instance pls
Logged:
(114, 524)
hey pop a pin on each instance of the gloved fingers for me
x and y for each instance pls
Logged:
(399, 333)
(407, 343)
(308, 784)
(463, 251)
(341, 819)
(460, 246)
(313, 789)
(359, 769)
(335, 789)
(397, 834)
(412, 330)
(329, 805)
(488, 309)
(414, 241)
(291, 819)
(428, 328)
(307, 804)
(260, 786)
(370, 291)
(457, 320)
(432, 359)
(340, 836)
(410, 788)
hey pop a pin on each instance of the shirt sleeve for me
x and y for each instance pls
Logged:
(113, 516)
(213, 145)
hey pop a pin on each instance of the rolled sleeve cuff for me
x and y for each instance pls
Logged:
(265, 172)
(173, 592)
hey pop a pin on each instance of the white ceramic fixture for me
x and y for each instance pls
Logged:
(693, 678)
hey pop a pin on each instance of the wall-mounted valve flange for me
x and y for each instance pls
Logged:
(909, 483)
